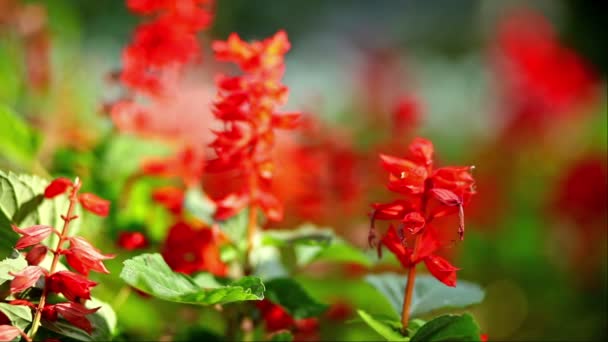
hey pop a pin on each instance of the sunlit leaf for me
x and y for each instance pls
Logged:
(387, 329)
(19, 315)
(19, 143)
(151, 274)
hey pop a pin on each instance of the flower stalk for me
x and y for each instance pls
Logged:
(69, 217)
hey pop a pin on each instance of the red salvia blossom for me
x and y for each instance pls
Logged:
(193, 248)
(81, 256)
(26, 278)
(132, 240)
(429, 193)
(73, 286)
(9, 332)
(57, 187)
(276, 319)
(247, 105)
(94, 204)
(32, 235)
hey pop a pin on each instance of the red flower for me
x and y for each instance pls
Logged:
(73, 286)
(276, 319)
(94, 204)
(83, 257)
(449, 187)
(26, 278)
(190, 249)
(57, 187)
(170, 197)
(9, 332)
(36, 255)
(132, 240)
(247, 104)
(31, 235)
(75, 313)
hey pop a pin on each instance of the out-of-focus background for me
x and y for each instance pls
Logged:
(516, 88)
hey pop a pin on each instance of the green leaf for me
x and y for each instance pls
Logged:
(151, 274)
(199, 205)
(19, 315)
(19, 143)
(312, 244)
(15, 263)
(448, 328)
(103, 322)
(282, 336)
(429, 294)
(292, 297)
(22, 203)
(390, 330)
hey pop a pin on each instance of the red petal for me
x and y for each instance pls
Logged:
(26, 278)
(9, 332)
(441, 269)
(446, 197)
(421, 151)
(36, 255)
(32, 235)
(286, 120)
(413, 221)
(392, 241)
(73, 286)
(76, 314)
(57, 187)
(94, 204)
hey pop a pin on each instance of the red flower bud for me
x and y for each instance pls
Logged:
(57, 187)
(421, 151)
(405, 176)
(132, 240)
(83, 257)
(73, 286)
(446, 197)
(31, 235)
(94, 204)
(26, 278)
(36, 255)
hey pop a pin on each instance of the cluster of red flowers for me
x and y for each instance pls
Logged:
(159, 51)
(81, 256)
(247, 106)
(543, 78)
(429, 193)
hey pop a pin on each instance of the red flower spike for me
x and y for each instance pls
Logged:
(441, 269)
(83, 257)
(230, 205)
(57, 187)
(94, 204)
(9, 332)
(73, 286)
(32, 235)
(36, 255)
(413, 222)
(132, 241)
(26, 278)
(76, 313)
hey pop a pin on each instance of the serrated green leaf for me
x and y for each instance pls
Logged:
(448, 328)
(293, 298)
(151, 274)
(388, 330)
(21, 203)
(429, 294)
(14, 263)
(19, 315)
(19, 143)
